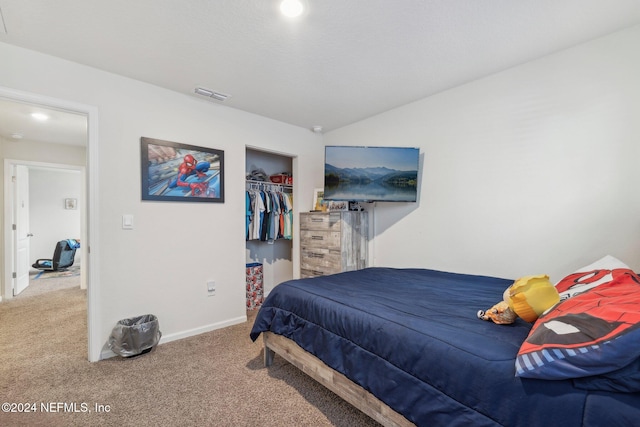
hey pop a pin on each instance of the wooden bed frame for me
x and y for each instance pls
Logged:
(331, 379)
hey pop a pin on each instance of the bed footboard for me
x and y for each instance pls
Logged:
(331, 379)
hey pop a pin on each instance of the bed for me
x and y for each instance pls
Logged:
(406, 347)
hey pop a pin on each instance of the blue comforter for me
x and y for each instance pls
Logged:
(411, 337)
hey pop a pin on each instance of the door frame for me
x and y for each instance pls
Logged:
(91, 256)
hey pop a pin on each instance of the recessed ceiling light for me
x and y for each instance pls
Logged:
(17, 135)
(40, 116)
(291, 8)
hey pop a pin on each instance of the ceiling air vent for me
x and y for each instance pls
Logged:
(3, 26)
(218, 96)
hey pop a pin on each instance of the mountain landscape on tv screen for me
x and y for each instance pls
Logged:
(370, 183)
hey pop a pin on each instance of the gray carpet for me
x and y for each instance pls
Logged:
(213, 379)
(41, 282)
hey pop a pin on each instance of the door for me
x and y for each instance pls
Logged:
(21, 235)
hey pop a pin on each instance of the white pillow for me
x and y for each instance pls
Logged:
(605, 263)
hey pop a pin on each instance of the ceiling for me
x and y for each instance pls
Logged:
(340, 62)
(59, 127)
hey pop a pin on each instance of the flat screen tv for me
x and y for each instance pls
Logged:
(371, 174)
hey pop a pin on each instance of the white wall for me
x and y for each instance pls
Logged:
(33, 153)
(162, 266)
(532, 170)
(49, 221)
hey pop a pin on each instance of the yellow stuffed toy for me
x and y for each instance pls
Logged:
(528, 298)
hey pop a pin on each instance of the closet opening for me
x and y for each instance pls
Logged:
(269, 228)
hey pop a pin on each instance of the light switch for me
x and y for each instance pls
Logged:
(127, 222)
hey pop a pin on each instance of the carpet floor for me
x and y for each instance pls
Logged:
(213, 379)
(41, 282)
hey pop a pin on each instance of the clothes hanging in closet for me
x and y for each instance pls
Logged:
(269, 215)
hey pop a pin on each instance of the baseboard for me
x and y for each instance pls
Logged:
(202, 329)
(107, 353)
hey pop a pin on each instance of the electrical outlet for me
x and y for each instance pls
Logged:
(211, 288)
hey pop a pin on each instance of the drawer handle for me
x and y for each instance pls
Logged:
(316, 255)
(317, 219)
(317, 237)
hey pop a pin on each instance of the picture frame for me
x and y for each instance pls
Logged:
(319, 204)
(338, 205)
(176, 172)
(71, 203)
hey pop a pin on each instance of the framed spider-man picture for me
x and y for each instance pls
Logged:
(181, 173)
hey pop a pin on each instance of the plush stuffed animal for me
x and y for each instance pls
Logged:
(528, 297)
(499, 313)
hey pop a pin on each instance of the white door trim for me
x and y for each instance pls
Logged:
(92, 245)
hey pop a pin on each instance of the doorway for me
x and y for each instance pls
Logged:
(48, 206)
(89, 230)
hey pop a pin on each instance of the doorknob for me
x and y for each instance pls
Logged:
(29, 234)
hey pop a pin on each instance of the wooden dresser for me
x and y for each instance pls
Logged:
(331, 242)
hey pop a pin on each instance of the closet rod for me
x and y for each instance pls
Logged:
(259, 185)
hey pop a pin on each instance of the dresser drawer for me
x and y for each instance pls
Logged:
(312, 271)
(320, 239)
(304, 273)
(320, 221)
(320, 259)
